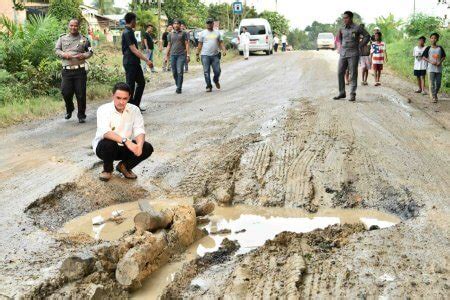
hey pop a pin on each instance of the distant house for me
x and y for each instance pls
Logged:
(30, 7)
(95, 20)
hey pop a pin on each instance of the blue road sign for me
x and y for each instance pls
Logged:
(237, 8)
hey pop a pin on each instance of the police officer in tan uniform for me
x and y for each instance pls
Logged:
(74, 48)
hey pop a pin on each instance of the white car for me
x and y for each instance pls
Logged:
(325, 40)
(261, 36)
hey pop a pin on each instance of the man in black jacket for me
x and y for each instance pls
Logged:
(132, 60)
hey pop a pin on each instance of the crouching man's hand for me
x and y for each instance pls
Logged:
(136, 149)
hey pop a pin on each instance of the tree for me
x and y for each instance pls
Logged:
(299, 39)
(390, 28)
(421, 24)
(278, 22)
(193, 12)
(65, 10)
(145, 17)
(105, 7)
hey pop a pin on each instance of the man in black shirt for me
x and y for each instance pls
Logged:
(149, 46)
(163, 47)
(132, 60)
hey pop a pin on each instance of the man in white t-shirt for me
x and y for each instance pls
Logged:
(276, 42)
(120, 135)
(244, 40)
(210, 43)
(420, 65)
(283, 42)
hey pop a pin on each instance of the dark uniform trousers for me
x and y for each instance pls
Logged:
(135, 75)
(109, 151)
(74, 82)
(350, 64)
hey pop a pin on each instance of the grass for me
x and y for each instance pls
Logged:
(17, 112)
(401, 60)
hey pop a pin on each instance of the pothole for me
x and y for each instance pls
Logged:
(250, 226)
(86, 194)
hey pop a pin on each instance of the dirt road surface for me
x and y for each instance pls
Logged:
(271, 137)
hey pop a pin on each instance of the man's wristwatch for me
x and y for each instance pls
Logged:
(124, 140)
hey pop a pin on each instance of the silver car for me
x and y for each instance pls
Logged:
(325, 40)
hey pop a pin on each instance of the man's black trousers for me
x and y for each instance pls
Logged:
(74, 82)
(134, 75)
(109, 151)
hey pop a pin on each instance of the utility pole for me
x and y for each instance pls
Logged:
(414, 9)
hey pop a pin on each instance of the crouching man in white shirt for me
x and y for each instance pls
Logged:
(120, 135)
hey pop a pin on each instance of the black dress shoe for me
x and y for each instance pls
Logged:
(81, 120)
(339, 97)
(352, 98)
(68, 115)
(142, 109)
(178, 91)
(209, 89)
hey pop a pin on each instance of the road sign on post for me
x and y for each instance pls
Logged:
(237, 8)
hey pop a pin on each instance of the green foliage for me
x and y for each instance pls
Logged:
(106, 7)
(390, 28)
(65, 10)
(99, 71)
(298, 39)
(146, 16)
(277, 21)
(421, 24)
(31, 42)
(192, 12)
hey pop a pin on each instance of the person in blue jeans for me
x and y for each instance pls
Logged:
(209, 43)
(178, 50)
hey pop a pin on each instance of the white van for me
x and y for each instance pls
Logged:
(261, 37)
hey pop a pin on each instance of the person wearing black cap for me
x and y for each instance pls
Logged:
(209, 43)
(178, 49)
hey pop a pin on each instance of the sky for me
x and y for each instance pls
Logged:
(302, 13)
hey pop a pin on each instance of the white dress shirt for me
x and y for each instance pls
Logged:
(244, 38)
(128, 124)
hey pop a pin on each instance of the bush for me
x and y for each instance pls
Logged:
(421, 24)
(32, 42)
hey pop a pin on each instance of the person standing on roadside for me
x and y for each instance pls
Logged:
(149, 46)
(352, 38)
(420, 65)
(209, 43)
(184, 29)
(276, 42)
(178, 53)
(283, 42)
(244, 40)
(120, 134)
(364, 61)
(163, 47)
(132, 61)
(435, 56)
(74, 49)
(378, 56)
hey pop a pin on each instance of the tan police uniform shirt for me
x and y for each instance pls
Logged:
(70, 44)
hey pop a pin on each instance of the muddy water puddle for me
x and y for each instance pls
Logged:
(250, 226)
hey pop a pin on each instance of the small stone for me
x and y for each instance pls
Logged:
(75, 267)
(374, 227)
